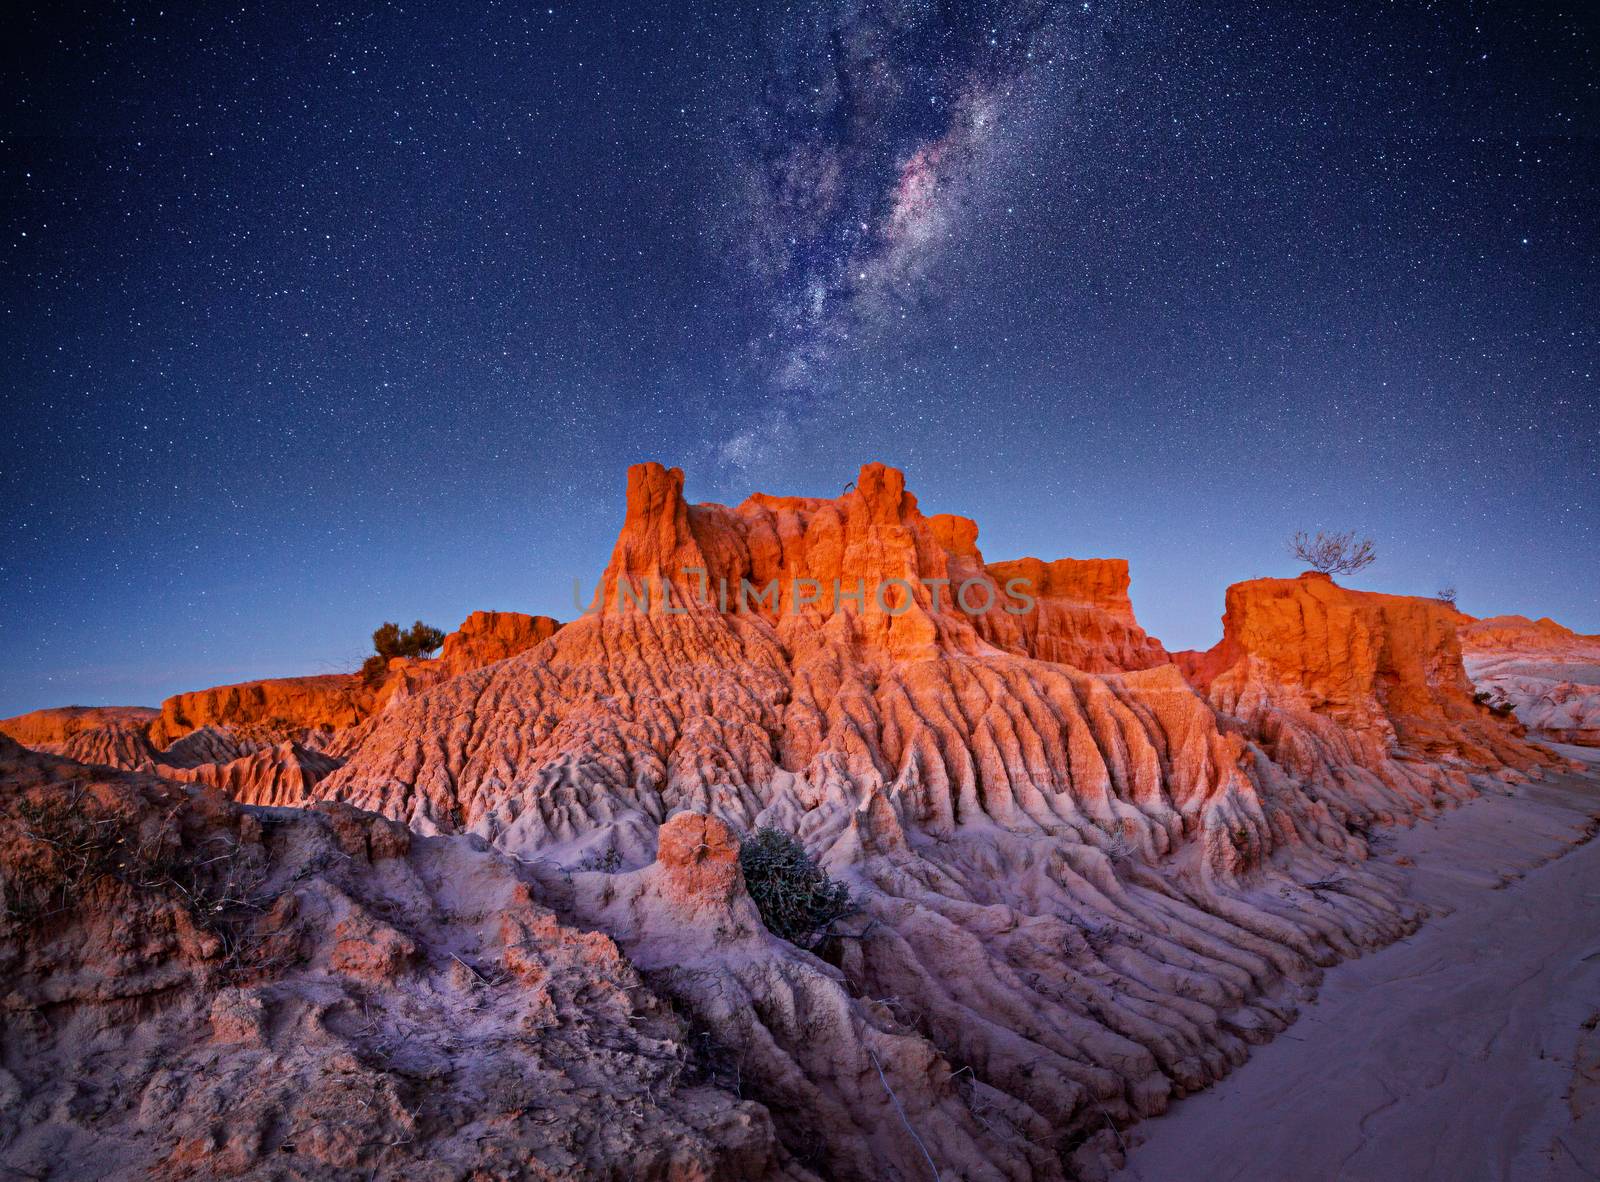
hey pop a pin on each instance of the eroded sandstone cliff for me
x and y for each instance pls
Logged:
(1361, 695)
(1083, 882)
(196, 989)
(1088, 874)
(292, 707)
(53, 730)
(270, 741)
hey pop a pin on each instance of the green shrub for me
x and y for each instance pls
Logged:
(796, 899)
(607, 861)
(417, 641)
(390, 641)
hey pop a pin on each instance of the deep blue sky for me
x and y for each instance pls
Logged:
(316, 316)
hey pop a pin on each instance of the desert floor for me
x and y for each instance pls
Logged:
(1468, 1051)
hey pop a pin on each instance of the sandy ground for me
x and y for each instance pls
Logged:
(1466, 1052)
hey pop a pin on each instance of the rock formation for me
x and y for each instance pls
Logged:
(1548, 675)
(195, 989)
(1081, 883)
(487, 637)
(283, 774)
(279, 708)
(52, 730)
(265, 742)
(1084, 617)
(1087, 874)
(1362, 695)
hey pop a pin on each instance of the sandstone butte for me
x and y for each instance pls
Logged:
(1089, 873)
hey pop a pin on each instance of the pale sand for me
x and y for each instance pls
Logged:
(1461, 1053)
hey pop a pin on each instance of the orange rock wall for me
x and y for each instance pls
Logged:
(49, 728)
(1355, 687)
(487, 637)
(285, 705)
(909, 570)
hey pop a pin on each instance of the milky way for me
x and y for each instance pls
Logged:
(876, 128)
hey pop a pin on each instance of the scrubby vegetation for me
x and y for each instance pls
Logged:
(796, 899)
(607, 861)
(65, 845)
(390, 641)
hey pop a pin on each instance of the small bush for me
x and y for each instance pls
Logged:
(1498, 709)
(417, 641)
(796, 899)
(607, 861)
(390, 641)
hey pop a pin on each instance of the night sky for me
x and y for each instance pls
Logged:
(316, 316)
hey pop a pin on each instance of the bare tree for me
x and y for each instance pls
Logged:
(1333, 554)
(1446, 594)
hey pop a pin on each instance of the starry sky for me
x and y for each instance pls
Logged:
(317, 315)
